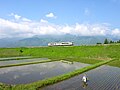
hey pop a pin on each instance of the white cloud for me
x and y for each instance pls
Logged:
(28, 28)
(17, 17)
(26, 20)
(51, 15)
(90, 29)
(12, 29)
(66, 29)
(43, 21)
(116, 32)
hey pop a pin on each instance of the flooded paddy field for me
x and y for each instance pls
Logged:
(3, 63)
(34, 72)
(102, 78)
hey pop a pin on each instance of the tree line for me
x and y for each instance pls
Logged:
(106, 41)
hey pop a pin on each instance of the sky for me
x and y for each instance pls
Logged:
(26, 18)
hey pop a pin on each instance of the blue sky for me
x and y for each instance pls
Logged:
(59, 16)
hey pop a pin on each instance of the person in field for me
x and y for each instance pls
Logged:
(84, 78)
(84, 81)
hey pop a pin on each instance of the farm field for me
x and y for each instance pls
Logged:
(53, 45)
(14, 58)
(101, 78)
(34, 72)
(9, 62)
(93, 55)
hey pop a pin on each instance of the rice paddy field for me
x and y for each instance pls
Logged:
(101, 78)
(9, 62)
(34, 72)
(60, 68)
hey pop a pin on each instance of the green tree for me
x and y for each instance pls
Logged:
(118, 41)
(111, 41)
(98, 43)
(106, 41)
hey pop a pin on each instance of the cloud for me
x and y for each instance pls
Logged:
(116, 32)
(27, 28)
(90, 29)
(26, 20)
(43, 21)
(17, 17)
(50, 15)
(13, 29)
(66, 29)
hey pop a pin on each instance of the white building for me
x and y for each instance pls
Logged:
(60, 44)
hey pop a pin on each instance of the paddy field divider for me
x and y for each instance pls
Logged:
(27, 63)
(42, 83)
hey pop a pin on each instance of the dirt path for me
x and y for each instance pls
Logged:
(101, 78)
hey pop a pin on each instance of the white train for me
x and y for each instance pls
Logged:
(60, 44)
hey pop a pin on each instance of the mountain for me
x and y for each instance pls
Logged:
(8, 42)
(43, 40)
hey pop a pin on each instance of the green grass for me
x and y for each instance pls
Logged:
(78, 53)
(115, 63)
(75, 52)
(27, 63)
(5, 87)
(86, 54)
(9, 52)
(15, 58)
(83, 60)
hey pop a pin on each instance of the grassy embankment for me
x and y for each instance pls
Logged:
(15, 58)
(27, 63)
(85, 54)
(115, 63)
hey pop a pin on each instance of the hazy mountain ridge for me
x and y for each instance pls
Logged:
(43, 40)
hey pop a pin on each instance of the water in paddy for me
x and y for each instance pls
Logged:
(3, 63)
(101, 78)
(31, 73)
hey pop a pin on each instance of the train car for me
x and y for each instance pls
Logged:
(60, 44)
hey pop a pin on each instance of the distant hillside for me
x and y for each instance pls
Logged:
(8, 42)
(43, 40)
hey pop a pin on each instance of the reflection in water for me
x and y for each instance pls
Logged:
(16, 76)
(34, 72)
(102, 78)
(84, 84)
(117, 87)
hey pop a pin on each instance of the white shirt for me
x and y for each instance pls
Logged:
(84, 79)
